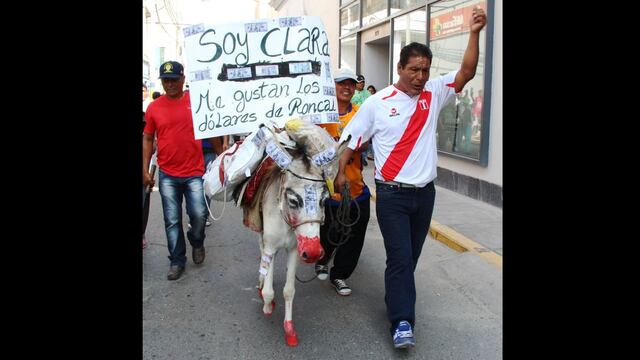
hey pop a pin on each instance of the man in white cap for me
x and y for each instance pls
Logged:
(346, 254)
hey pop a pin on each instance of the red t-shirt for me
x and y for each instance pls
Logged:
(179, 153)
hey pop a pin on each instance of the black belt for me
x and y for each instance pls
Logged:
(395, 183)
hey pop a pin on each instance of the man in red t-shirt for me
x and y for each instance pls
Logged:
(181, 166)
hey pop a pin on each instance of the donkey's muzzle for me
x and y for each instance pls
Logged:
(310, 249)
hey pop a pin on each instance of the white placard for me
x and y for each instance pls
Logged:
(324, 157)
(310, 200)
(281, 157)
(259, 138)
(268, 70)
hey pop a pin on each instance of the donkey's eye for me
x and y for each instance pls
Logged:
(293, 203)
(294, 200)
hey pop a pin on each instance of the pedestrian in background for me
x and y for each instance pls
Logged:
(369, 152)
(145, 103)
(145, 99)
(360, 95)
(401, 120)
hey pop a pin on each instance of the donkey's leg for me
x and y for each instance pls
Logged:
(289, 291)
(261, 276)
(266, 273)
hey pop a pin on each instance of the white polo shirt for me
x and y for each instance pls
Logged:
(403, 130)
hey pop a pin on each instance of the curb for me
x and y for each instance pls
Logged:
(461, 243)
(457, 241)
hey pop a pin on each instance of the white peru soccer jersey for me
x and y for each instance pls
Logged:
(403, 129)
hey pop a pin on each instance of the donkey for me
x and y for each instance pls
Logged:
(288, 209)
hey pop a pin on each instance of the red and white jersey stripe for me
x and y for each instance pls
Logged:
(403, 130)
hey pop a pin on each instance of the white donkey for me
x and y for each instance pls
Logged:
(289, 208)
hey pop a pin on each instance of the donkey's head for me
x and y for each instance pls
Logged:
(303, 194)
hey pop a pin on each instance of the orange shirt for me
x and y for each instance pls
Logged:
(353, 170)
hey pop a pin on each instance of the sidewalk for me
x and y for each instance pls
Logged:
(461, 223)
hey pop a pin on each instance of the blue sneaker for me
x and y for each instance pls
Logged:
(403, 336)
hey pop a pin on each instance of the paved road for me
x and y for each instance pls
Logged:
(214, 312)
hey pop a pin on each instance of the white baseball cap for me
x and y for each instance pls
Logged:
(344, 74)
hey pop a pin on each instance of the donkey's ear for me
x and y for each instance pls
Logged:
(342, 147)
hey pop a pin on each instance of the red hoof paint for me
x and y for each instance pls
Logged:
(290, 334)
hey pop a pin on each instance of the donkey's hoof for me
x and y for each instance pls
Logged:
(268, 312)
(290, 334)
(292, 340)
(273, 304)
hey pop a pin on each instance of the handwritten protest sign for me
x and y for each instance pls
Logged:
(244, 74)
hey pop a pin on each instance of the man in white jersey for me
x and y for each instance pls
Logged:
(401, 120)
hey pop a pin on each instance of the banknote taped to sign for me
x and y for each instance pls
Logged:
(245, 74)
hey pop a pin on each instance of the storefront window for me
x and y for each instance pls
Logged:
(345, 2)
(373, 11)
(399, 5)
(348, 53)
(407, 29)
(349, 19)
(460, 122)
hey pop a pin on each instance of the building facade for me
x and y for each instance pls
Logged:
(366, 36)
(161, 39)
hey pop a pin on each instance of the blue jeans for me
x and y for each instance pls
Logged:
(172, 189)
(404, 216)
